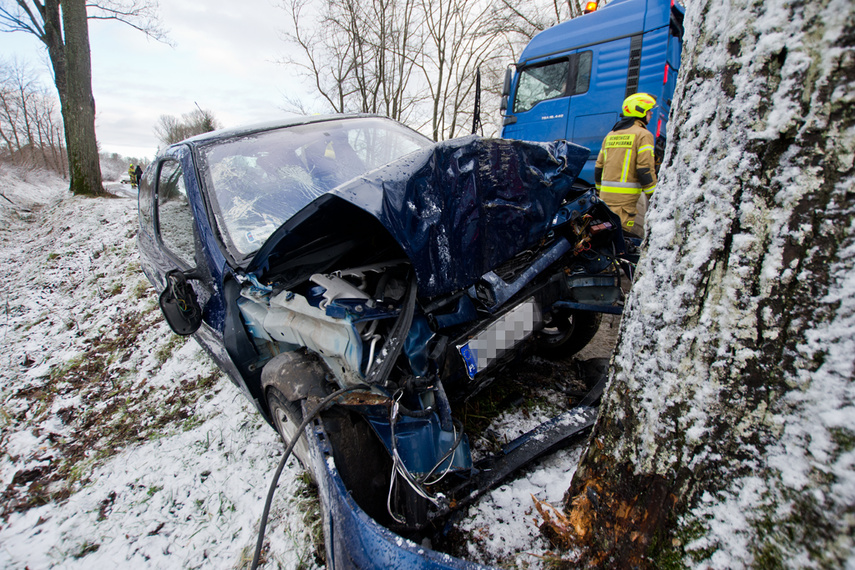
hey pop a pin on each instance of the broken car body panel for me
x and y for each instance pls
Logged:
(473, 199)
(378, 261)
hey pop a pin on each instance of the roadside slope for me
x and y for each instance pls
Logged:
(120, 443)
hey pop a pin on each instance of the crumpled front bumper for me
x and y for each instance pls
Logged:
(352, 538)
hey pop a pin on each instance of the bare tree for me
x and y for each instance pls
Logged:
(10, 113)
(459, 43)
(725, 438)
(359, 55)
(63, 29)
(414, 60)
(171, 129)
(29, 130)
(520, 20)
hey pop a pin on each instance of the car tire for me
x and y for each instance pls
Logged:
(568, 332)
(287, 417)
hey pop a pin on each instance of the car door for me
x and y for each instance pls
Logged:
(181, 238)
(540, 102)
(167, 234)
(600, 87)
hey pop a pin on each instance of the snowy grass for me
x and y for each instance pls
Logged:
(120, 443)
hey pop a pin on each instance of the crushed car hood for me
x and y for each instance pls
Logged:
(457, 209)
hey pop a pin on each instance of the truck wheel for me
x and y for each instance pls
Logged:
(287, 417)
(568, 332)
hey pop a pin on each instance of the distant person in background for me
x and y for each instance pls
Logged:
(133, 175)
(625, 166)
(138, 175)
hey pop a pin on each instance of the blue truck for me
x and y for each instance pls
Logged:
(571, 79)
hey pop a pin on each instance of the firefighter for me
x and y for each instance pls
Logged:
(132, 174)
(625, 166)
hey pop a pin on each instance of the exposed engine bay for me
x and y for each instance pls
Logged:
(366, 326)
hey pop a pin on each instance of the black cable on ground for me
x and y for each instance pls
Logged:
(263, 525)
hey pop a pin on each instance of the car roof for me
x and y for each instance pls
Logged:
(229, 133)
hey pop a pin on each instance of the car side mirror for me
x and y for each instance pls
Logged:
(179, 304)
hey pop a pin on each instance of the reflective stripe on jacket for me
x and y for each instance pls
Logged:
(626, 164)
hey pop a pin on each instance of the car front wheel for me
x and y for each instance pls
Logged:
(566, 333)
(287, 417)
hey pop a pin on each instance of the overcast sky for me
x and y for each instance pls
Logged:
(222, 61)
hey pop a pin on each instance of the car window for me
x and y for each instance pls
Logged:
(257, 182)
(146, 200)
(379, 146)
(174, 215)
(582, 71)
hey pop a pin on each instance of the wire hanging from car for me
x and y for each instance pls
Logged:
(458, 438)
(398, 467)
(308, 419)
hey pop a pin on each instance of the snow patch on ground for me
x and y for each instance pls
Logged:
(504, 526)
(81, 334)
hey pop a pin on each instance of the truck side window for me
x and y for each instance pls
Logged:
(540, 83)
(583, 72)
(174, 216)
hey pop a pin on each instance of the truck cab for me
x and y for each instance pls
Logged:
(571, 79)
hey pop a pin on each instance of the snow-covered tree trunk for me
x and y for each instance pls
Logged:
(727, 434)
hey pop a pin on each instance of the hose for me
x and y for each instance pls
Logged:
(309, 418)
(398, 467)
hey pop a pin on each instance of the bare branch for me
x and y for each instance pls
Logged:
(141, 15)
(16, 22)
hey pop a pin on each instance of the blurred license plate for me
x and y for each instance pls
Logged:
(500, 337)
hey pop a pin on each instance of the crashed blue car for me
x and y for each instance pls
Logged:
(351, 254)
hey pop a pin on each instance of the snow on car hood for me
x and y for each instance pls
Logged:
(457, 209)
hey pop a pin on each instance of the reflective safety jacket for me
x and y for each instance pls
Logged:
(626, 164)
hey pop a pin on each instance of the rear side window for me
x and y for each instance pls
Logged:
(582, 70)
(561, 78)
(174, 215)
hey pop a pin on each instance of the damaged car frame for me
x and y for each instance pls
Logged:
(350, 253)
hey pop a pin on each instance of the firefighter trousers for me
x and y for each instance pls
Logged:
(626, 206)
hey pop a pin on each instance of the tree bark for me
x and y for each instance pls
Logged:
(726, 437)
(78, 103)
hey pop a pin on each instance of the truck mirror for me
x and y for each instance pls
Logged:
(504, 104)
(506, 87)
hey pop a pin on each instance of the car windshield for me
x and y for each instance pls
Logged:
(257, 182)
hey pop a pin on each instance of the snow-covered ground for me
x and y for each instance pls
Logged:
(121, 444)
